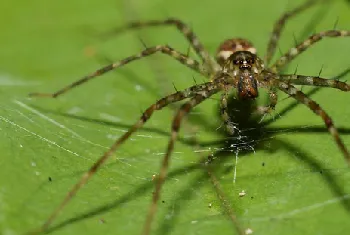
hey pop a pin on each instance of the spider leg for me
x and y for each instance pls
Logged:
(273, 98)
(182, 27)
(315, 81)
(175, 97)
(279, 25)
(185, 109)
(295, 51)
(302, 98)
(230, 126)
(183, 59)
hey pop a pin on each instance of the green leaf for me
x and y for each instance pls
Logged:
(296, 180)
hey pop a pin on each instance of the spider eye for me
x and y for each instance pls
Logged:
(236, 62)
(250, 61)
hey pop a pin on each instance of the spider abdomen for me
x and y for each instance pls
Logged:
(230, 46)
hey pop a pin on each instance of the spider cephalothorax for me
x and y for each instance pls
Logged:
(245, 67)
(236, 66)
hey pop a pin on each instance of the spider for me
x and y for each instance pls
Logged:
(235, 67)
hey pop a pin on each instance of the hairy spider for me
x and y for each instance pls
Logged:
(236, 67)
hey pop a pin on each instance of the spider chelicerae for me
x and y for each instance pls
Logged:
(236, 67)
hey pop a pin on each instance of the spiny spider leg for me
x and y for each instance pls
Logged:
(229, 125)
(185, 109)
(193, 64)
(314, 81)
(182, 27)
(302, 98)
(279, 25)
(205, 89)
(295, 51)
(273, 98)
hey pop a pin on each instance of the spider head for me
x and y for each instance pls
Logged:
(243, 60)
(244, 67)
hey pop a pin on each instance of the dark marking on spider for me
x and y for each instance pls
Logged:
(235, 68)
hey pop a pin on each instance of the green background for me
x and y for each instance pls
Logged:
(296, 179)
